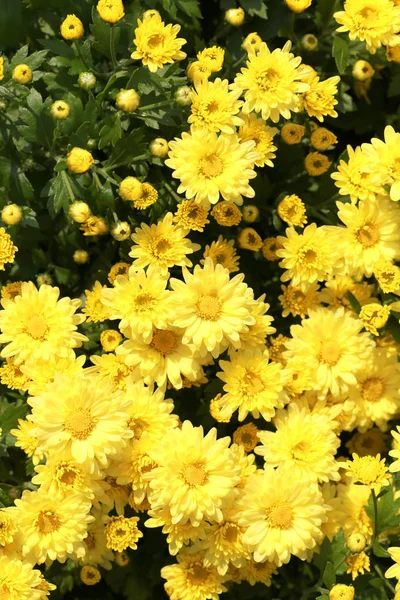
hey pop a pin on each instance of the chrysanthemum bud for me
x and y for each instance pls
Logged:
(81, 257)
(127, 100)
(79, 160)
(182, 96)
(356, 542)
(235, 16)
(250, 213)
(149, 14)
(340, 591)
(11, 214)
(22, 74)
(198, 71)
(87, 80)
(90, 575)
(159, 147)
(110, 11)
(309, 42)
(362, 70)
(121, 231)
(60, 110)
(374, 316)
(71, 28)
(44, 279)
(251, 43)
(110, 339)
(298, 6)
(79, 212)
(130, 189)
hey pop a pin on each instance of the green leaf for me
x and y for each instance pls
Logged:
(333, 552)
(10, 413)
(325, 10)
(354, 303)
(59, 195)
(254, 8)
(58, 47)
(379, 551)
(20, 56)
(323, 597)
(394, 86)
(341, 53)
(102, 34)
(111, 131)
(393, 326)
(12, 26)
(329, 576)
(128, 147)
(190, 7)
(388, 508)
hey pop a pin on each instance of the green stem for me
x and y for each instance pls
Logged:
(241, 59)
(68, 186)
(375, 503)
(79, 51)
(55, 135)
(155, 105)
(112, 47)
(386, 582)
(172, 191)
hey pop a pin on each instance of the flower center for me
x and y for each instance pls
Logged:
(195, 474)
(252, 383)
(368, 13)
(138, 426)
(67, 475)
(330, 352)
(280, 516)
(267, 79)
(161, 247)
(211, 166)
(198, 575)
(37, 328)
(368, 235)
(90, 541)
(144, 300)
(301, 450)
(165, 342)
(307, 255)
(155, 40)
(48, 522)
(372, 389)
(231, 534)
(209, 308)
(80, 424)
(212, 107)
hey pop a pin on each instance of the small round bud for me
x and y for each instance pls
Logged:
(356, 542)
(22, 74)
(198, 71)
(110, 339)
(235, 16)
(122, 558)
(44, 279)
(79, 212)
(121, 231)
(298, 6)
(90, 575)
(182, 96)
(159, 147)
(362, 70)
(81, 257)
(251, 44)
(127, 100)
(60, 110)
(71, 28)
(110, 11)
(149, 14)
(3, 105)
(92, 144)
(11, 214)
(87, 80)
(250, 213)
(130, 189)
(340, 591)
(79, 160)
(309, 42)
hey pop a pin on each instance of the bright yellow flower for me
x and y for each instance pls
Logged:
(368, 470)
(1, 68)
(374, 316)
(235, 16)
(353, 179)
(388, 277)
(363, 70)
(367, 443)
(394, 570)
(296, 301)
(226, 214)
(122, 533)
(384, 158)
(252, 43)
(255, 129)
(7, 249)
(71, 28)
(212, 57)
(149, 196)
(94, 309)
(19, 580)
(292, 210)
(298, 6)
(79, 160)
(222, 253)
(12, 376)
(340, 591)
(111, 368)
(43, 370)
(22, 74)
(319, 100)
(11, 214)
(157, 44)
(131, 189)
(127, 100)
(179, 534)
(8, 528)
(10, 290)
(214, 107)
(110, 340)
(110, 11)
(190, 215)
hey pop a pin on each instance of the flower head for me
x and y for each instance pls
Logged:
(157, 44)
(71, 28)
(110, 11)
(214, 107)
(292, 210)
(79, 160)
(7, 249)
(368, 470)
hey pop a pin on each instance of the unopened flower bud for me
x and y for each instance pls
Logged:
(159, 147)
(60, 110)
(11, 214)
(127, 100)
(81, 257)
(235, 16)
(79, 212)
(121, 231)
(356, 542)
(87, 80)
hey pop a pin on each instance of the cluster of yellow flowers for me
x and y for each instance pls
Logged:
(105, 441)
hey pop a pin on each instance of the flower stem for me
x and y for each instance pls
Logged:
(68, 186)
(155, 105)
(79, 51)
(375, 503)
(112, 47)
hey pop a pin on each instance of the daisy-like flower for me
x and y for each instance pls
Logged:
(162, 245)
(226, 214)
(316, 164)
(354, 179)
(122, 533)
(94, 309)
(254, 572)
(319, 100)
(210, 166)
(213, 309)
(135, 466)
(394, 570)
(12, 376)
(179, 534)
(256, 129)
(212, 57)
(282, 516)
(292, 210)
(368, 470)
(39, 325)
(252, 384)
(304, 443)
(195, 474)
(140, 301)
(164, 357)
(372, 234)
(156, 43)
(335, 292)
(357, 564)
(89, 419)
(40, 372)
(222, 252)
(7, 249)
(254, 336)
(271, 82)
(384, 158)
(26, 440)
(8, 527)
(19, 580)
(214, 107)
(189, 579)
(309, 256)
(395, 452)
(53, 527)
(111, 369)
(190, 215)
(296, 301)
(374, 23)
(331, 344)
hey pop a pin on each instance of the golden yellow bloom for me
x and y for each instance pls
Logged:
(159, 147)
(340, 591)
(214, 107)
(356, 542)
(353, 179)
(94, 309)
(368, 470)
(121, 269)
(298, 6)
(12, 376)
(156, 43)
(8, 528)
(131, 189)
(271, 82)
(269, 248)
(11, 214)
(316, 164)
(388, 277)
(10, 290)
(393, 55)
(216, 408)
(127, 100)
(71, 28)
(94, 226)
(321, 139)
(7, 249)
(90, 575)
(22, 74)
(235, 16)
(190, 215)
(250, 213)
(226, 214)
(79, 160)
(79, 211)
(26, 441)
(292, 133)
(251, 43)
(112, 369)
(111, 11)
(19, 580)
(212, 57)
(358, 564)
(110, 339)
(198, 72)
(249, 239)
(255, 129)
(383, 160)
(319, 100)
(222, 252)
(296, 301)
(148, 197)
(363, 70)
(246, 436)
(122, 533)
(292, 210)
(374, 316)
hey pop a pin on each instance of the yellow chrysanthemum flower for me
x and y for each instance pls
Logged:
(321, 139)
(335, 292)
(122, 533)
(226, 214)
(8, 528)
(340, 591)
(316, 164)
(10, 290)
(222, 252)
(26, 441)
(71, 28)
(110, 340)
(7, 249)
(110, 11)
(214, 107)
(256, 129)
(394, 570)
(357, 564)
(39, 325)
(94, 308)
(53, 527)
(89, 420)
(374, 316)
(210, 166)
(384, 158)
(292, 133)
(353, 179)
(19, 580)
(156, 43)
(292, 210)
(368, 470)
(388, 277)
(319, 100)
(296, 301)
(111, 369)
(253, 385)
(42, 371)
(212, 57)
(213, 309)
(12, 376)
(162, 245)
(330, 342)
(178, 535)
(140, 301)
(195, 474)
(246, 436)
(190, 215)
(271, 82)
(304, 443)
(282, 516)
